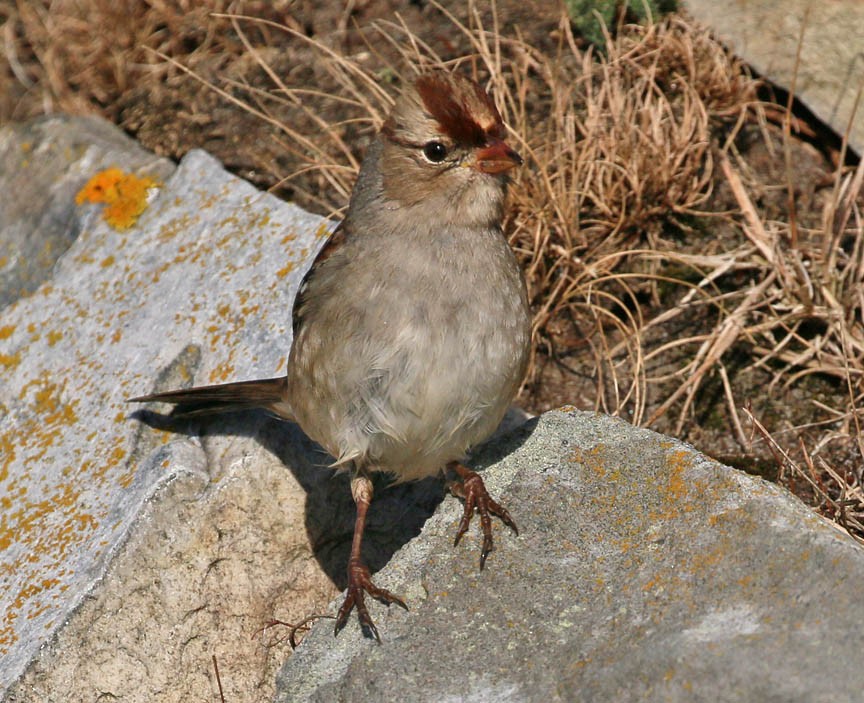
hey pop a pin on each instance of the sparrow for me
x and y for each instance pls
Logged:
(412, 326)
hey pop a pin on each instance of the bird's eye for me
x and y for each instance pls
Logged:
(435, 152)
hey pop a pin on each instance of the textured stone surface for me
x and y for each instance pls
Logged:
(43, 163)
(643, 571)
(766, 33)
(200, 289)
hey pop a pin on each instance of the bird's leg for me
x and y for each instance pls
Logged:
(476, 497)
(359, 579)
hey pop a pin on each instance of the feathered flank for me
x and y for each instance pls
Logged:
(333, 244)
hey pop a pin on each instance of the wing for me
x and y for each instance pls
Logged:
(334, 243)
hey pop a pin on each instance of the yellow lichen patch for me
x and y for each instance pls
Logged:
(262, 219)
(207, 199)
(123, 194)
(215, 337)
(126, 479)
(10, 361)
(49, 408)
(250, 310)
(107, 261)
(32, 589)
(118, 455)
(677, 491)
(6, 331)
(676, 486)
(223, 372)
(8, 637)
(285, 270)
(53, 337)
(7, 451)
(28, 524)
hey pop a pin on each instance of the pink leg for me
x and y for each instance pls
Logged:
(359, 579)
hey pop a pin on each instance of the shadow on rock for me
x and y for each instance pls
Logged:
(398, 510)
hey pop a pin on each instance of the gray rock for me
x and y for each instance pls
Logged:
(129, 555)
(643, 571)
(43, 164)
(765, 33)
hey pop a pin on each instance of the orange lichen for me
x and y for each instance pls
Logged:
(10, 360)
(6, 332)
(222, 372)
(126, 479)
(124, 195)
(7, 451)
(285, 270)
(676, 486)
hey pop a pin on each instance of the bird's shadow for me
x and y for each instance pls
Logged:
(398, 510)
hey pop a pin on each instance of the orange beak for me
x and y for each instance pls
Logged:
(496, 157)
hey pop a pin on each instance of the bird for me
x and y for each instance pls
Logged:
(412, 327)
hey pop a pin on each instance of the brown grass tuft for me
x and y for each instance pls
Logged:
(81, 57)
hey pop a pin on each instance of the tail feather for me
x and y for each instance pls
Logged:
(268, 394)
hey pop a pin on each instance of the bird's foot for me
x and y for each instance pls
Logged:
(473, 491)
(360, 581)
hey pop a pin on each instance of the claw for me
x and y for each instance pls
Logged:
(473, 491)
(360, 582)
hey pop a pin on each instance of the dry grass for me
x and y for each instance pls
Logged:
(614, 217)
(81, 56)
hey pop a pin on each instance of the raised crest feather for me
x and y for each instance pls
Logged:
(456, 104)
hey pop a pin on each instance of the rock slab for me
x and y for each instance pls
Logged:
(830, 72)
(643, 571)
(129, 554)
(44, 163)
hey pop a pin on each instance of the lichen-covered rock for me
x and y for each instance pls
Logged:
(200, 288)
(643, 571)
(43, 164)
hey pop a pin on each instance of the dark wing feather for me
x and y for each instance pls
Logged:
(334, 243)
(269, 394)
